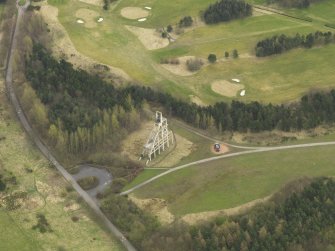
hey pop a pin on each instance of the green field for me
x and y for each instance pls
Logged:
(274, 79)
(12, 237)
(47, 193)
(231, 182)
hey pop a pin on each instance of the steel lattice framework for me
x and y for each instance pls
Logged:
(159, 139)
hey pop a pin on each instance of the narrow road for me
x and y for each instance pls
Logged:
(21, 116)
(190, 129)
(268, 149)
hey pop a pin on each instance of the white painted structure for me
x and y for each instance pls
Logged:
(159, 139)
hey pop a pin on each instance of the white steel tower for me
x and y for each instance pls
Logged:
(159, 139)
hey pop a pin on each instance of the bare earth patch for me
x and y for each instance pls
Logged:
(197, 100)
(181, 68)
(63, 46)
(133, 144)
(156, 206)
(134, 12)
(226, 88)
(93, 2)
(150, 38)
(223, 149)
(89, 16)
(183, 148)
(197, 218)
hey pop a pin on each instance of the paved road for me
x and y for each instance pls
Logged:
(105, 178)
(254, 151)
(39, 143)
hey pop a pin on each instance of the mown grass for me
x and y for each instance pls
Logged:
(231, 182)
(48, 194)
(143, 176)
(274, 79)
(166, 12)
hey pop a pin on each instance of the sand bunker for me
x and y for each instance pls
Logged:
(181, 68)
(63, 46)
(142, 19)
(223, 149)
(196, 100)
(197, 218)
(89, 16)
(150, 38)
(93, 2)
(156, 206)
(79, 21)
(226, 88)
(242, 93)
(100, 19)
(147, 7)
(134, 12)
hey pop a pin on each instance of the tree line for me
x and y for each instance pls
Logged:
(80, 111)
(293, 3)
(296, 224)
(300, 219)
(281, 43)
(311, 111)
(225, 10)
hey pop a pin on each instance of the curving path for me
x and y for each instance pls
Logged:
(267, 149)
(45, 151)
(104, 177)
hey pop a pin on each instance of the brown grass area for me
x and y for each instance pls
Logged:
(226, 88)
(197, 218)
(181, 68)
(134, 13)
(133, 144)
(183, 148)
(223, 149)
(155, 206)
(63, 47)
(89, 16)
(150, 38)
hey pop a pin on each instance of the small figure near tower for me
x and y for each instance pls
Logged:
(159, 139)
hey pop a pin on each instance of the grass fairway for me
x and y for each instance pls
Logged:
(273, 79)
(12, 237)
(231, 182)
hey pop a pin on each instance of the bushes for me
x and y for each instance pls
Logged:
(133, 222)
(42, 224)
(186, 22)
(194, 64)
(174, 61)
(279, 44)
(225, 10)
(88, 183)
(212, 58)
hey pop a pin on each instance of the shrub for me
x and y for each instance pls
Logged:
(186, 21)
(212, 58)
(194, 64)
(88, 183)
(169, 28)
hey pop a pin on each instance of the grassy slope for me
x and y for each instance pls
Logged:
(47, 195)
(232, 182)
